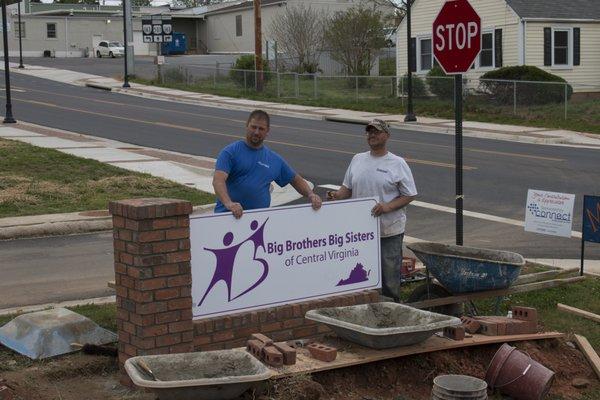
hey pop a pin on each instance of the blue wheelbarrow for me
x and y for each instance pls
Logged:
(461, 270)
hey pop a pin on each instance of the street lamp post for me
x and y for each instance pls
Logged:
(126, 75)
(20, 36)
(8, 118)
(410, 115)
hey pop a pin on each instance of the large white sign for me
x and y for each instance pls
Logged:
(282, 255)
(549, 213)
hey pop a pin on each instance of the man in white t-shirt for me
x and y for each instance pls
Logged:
(386, 176)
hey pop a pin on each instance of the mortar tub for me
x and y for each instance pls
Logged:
(209, 375)
(463, 269)
(382, 325)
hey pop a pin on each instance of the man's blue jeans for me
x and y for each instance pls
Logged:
(391, 263)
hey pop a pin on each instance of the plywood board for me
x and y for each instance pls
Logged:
(589, 352)
(350, 354)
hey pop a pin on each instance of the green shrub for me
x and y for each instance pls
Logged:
(527, 92)
(244, 65)
(440, 84)
(387, 66)
(418, 86)
(174, 75)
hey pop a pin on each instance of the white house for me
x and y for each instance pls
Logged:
(560, 37)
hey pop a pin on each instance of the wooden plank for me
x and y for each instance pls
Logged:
(494, 293)
(589, 353)
(577, 311)
(545, 275)
(350, 354)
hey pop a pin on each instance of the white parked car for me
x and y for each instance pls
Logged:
(109, 49)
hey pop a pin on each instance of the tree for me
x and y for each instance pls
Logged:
(354, 38)
(141, 3)
(95, 2)
(197, 3)
(299, 33)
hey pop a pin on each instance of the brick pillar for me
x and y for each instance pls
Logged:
(152, 277)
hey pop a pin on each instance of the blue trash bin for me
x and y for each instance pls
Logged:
(177, 46)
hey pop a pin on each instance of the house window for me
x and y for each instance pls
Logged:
(486, 57)
(238, 25)
(425, 56)
(51, 30)
(560, 47)
(20, 28)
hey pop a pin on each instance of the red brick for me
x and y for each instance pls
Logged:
(151, 308)
(119, 245)
(214, 346)
(187, 336)
(178, 233)
(166, 294)
(179, 256)
(293, 323)
(141, 297)
(183, 221)
(178, 304)
(165, 247)
(322, 352)
(149, 260)
(289, 353)
(143, 343)
(166, 270)
(185, 291)
(126, 281)
(181, 326)
(201, 340)
(181, 348)
(168, 340)
(166, 317)
(184, 244)
(267, 341)
(152, 284)
(470, 325)
(455, 332)
(255, 347)
(164, 223)
(150, 236)
(181, 280)
(223, 336)
(125, 234)
(525, 313)
(120, 268)
(126, 258)
(118, 221)
(272, 356)
(140, 272)
(243, 333)
(122, 315)
(121, 291)
(152, 331)
(137, 248)
(270, 327)
(305, 332)
(297, 311)
(142, 320)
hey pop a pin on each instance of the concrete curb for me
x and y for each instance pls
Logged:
(71, 303)
(70, 224)
(98, 86)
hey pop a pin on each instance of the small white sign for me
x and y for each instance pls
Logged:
(549, 213)
(158, 38)
(282, 255)
(159, 60)
(148, 38)
(167, 38)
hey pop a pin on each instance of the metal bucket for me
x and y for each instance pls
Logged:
(458, 387)
(517, 375)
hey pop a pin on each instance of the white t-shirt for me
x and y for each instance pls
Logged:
(385, 177)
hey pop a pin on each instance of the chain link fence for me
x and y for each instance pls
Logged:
(435, 95)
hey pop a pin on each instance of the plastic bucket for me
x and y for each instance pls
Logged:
(517, 375)
(458, 387)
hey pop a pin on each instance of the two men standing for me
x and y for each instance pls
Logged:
(246, 168)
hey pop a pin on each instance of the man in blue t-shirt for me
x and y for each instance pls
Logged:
(246, 168)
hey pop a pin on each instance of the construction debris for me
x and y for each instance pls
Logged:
(577, 311)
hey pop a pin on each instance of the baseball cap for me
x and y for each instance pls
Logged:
(380, 125)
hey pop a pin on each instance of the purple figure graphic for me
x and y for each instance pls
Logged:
(226, 260)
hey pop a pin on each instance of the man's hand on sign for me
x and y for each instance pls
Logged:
(331, 195)
(381, 208)
(315, 200)
(235, 208)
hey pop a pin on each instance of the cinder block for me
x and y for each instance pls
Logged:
(471, 325)
(273, 356)
(322, 352)
(263, 338)
(499, 326)
(525, 313)
(255, 347)
(289, 353)
(455, 332)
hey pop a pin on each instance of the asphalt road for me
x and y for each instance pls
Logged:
(497, 174)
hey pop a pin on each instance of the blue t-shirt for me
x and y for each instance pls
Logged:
(251, 172)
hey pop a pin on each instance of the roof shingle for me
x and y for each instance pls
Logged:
(556, 9)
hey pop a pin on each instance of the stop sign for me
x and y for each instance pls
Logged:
(456, 36)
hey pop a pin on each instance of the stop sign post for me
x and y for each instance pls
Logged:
(456, 43)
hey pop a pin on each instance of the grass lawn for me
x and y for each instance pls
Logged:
(35, 180)
(377, 94)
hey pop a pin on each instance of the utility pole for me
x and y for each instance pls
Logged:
(410, 115)
(8, 118)
(20, 35)
(125, 45)
(258, 46)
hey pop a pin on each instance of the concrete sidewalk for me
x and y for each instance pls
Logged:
(189, 170)
(433, 125)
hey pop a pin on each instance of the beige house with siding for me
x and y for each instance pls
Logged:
(562, 38)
